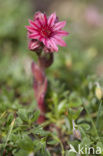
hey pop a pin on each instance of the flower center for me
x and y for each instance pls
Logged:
(46, 32)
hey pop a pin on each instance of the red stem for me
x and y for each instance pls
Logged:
(40, 83)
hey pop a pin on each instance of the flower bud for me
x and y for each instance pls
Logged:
(33, 45)
(76, 134)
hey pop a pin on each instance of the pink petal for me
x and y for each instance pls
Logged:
(44, 41)
(40, 39)
(40, 17)
(34, 24)
(38, 23)
(53, 45)
(30, 29)
(59, 41)
(62, 33)
(45, 19)
(34, 36)
(59, 25)
(52, 19)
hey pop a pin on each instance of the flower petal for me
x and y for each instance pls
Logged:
(34, 24)
(34, 36)
(62, 33)
(40, 17)
(52, 45)
(45, 19)
(59, 25)
(44, 41)
(52, 19)
(59, 41)
(30, 29)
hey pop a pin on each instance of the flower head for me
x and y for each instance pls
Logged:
(46, 30)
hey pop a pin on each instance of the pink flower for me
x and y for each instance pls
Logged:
(47, 31)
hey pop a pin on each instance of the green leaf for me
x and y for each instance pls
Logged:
(21, 153)
(35, 116)
(52, 142)
(23, 114)
(86, 141)
(85, 126)
(26, 143)
(62, 106)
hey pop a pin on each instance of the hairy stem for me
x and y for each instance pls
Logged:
(40, 82)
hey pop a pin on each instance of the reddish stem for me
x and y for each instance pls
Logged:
(40, 83)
